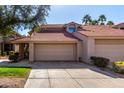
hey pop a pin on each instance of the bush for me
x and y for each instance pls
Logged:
(100, 61)
(14, 57)
(118, 67)
(11, 52)
(4, 54)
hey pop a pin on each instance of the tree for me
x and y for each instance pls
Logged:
(87, 19)
(110, 23)
(26, 16)
(21, 16)
(102, 19)
(6, 35)
(94, 22)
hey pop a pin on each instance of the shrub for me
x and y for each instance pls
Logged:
(4, 54)
(93, 58)
(17, 54)
(11, 52)
(100, 61)
(14, 57)
(118, 67)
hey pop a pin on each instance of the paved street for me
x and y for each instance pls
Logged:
(70, 75)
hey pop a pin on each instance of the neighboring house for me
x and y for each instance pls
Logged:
(74, 42)
(120, 26)
(8, 46)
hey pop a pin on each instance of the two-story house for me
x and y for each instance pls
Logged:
(74, 42)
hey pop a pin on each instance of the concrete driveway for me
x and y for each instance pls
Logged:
(70, 75)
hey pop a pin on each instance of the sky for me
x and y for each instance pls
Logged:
(60, 14)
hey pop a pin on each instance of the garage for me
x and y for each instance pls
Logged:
(55, 52)
(112, 49)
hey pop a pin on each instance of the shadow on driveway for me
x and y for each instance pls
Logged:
(71, 65)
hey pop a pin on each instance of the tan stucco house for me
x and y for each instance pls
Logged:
(74, 42)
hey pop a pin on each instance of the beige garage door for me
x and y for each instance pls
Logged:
(112, 49)
(46, 52)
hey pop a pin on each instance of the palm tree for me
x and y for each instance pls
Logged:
(87, 19)
(94, 22)
(110, 23)
(102, 19)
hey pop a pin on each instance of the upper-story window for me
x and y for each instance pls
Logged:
(71, 29)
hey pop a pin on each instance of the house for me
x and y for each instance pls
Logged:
(120, 26)
(6, 44)
(74, 42)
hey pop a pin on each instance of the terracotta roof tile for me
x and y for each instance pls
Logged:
(101, 31)
(120, 25)
(52, 26)
(63, 36)
(24, 39)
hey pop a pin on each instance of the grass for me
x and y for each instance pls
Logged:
(14, 72)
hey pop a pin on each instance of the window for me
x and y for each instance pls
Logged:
(71, 29)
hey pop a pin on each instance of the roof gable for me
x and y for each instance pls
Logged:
(72, 23)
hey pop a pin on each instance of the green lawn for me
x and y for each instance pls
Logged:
(14, 72)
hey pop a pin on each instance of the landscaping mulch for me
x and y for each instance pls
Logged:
(12, 82)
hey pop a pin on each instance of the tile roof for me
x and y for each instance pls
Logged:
(119, 25)
(44, 37)
(21, 40)
(62, 36)
(65, 36)
(57, 25)
(101, 31)
(52, 25)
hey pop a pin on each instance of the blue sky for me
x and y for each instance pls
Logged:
(60, 14)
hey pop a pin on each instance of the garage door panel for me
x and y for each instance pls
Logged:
(54, 52)
(113, 52)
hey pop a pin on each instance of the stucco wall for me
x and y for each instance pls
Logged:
(84, 50)
(109, 47)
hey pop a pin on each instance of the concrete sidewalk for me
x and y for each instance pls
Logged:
(71, 75)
